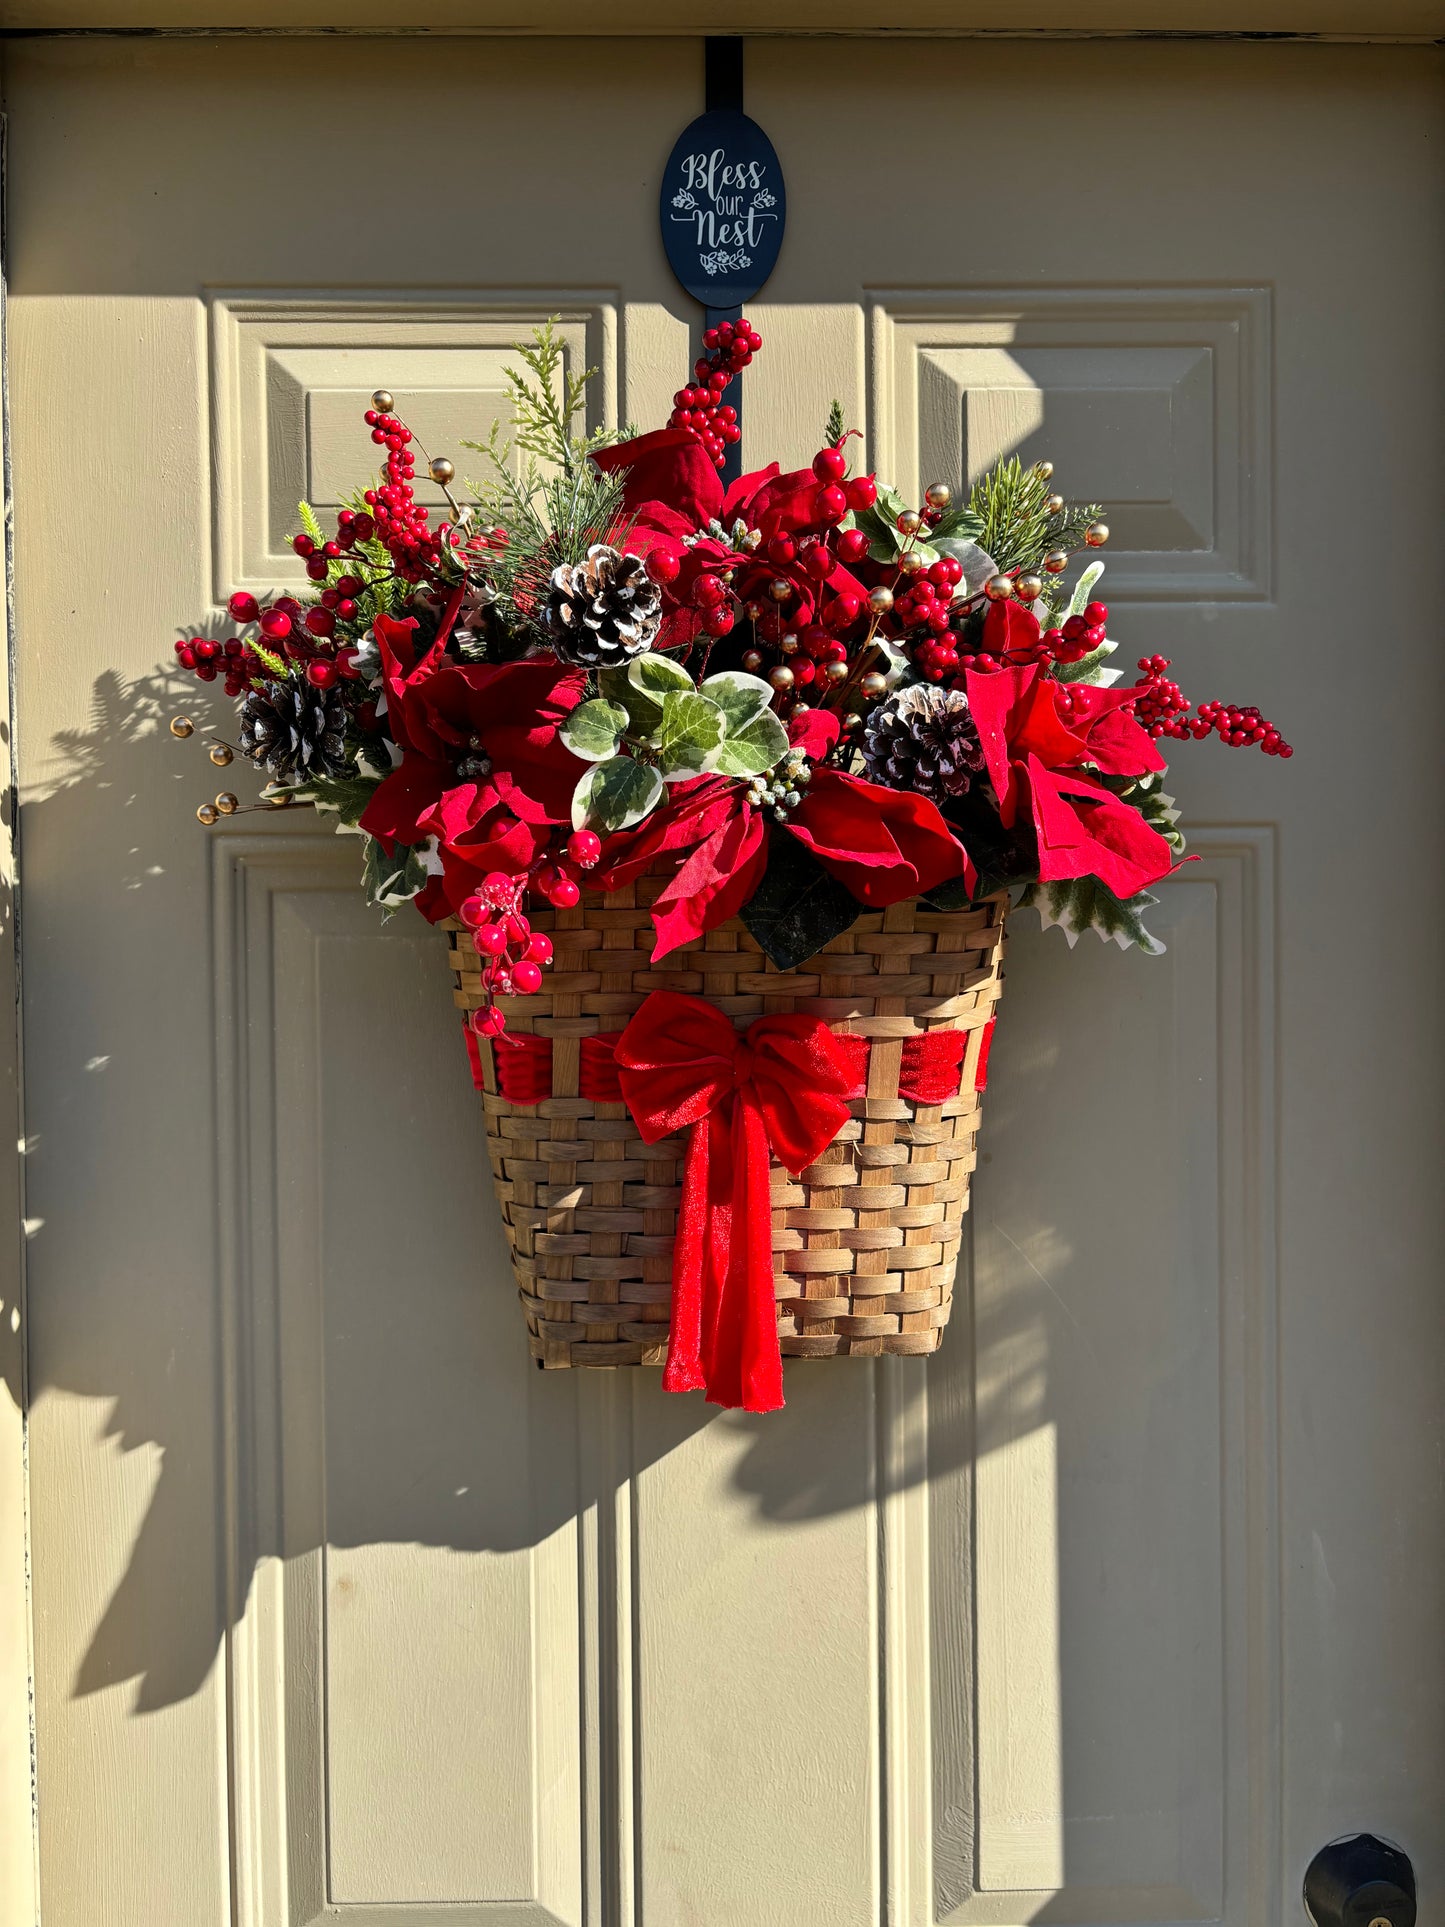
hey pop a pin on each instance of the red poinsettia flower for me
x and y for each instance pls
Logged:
(1010, 632)
(1114, 741)
(447, 718)
(881, 844)
(884, 845)
(1085, 831)
(1035, 756)
(673, 489)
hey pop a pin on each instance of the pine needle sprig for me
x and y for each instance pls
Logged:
(543, 486)
(1018, 528)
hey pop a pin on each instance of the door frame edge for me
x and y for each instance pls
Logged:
(19, 1878)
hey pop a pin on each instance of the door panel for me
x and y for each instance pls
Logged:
(1123, 1604)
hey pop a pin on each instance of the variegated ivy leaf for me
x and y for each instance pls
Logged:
(649, 679)
(614, 795)
(689, 735)
(739, 696)
(1083, 903)
(885, 539)
(754, 749)
(639, 687)
(594, 729)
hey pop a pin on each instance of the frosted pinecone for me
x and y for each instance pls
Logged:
(295, 729)
(603, 611)
(923, 738)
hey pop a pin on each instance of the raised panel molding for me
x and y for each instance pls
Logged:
(292, 375)
(418, 1655)
(1043, 1554)
(998, 1629)
(1156, 401)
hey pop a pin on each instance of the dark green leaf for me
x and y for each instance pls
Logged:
(797, 907)
(343, 796)
(956, 522)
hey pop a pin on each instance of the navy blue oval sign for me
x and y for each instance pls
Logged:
(723, 208)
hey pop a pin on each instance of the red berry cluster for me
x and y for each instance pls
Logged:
(512, 952)
(700, 408)
(836, 496)
(923, 613)
(1240, 728)
(207, 659)
(1162, 708)
(1080, 636)
(401, 521)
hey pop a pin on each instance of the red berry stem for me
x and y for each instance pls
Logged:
(700, 408)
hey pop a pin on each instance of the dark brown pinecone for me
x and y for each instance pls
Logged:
(923, 738)
(602, 611)
(295, 729)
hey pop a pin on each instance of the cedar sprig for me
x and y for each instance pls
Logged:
(1017, 529)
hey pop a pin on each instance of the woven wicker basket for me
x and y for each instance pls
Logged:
(866, 1241)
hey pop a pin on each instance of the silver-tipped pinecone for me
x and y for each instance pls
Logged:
(295, 729)
(923, 738)
(602, 611)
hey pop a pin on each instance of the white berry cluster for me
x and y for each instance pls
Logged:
(781, 790)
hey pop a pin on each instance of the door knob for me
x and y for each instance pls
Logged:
(1360, 1881)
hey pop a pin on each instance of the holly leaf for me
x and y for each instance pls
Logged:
(798, 907)
(614, 795)
(1083, 903)
(754, 749)
(344, 796)
(739, 696)
(594, 729)
(1161, 813)
(389, 880)
(689, 734)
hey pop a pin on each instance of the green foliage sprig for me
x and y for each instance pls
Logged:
(1016, 526)
(542, 485)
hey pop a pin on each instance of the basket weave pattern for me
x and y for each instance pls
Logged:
(865, 1242)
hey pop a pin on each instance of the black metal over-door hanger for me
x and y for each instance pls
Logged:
(723, 205)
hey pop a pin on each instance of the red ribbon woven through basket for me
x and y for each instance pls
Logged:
(931, 1072)
(781, 1089)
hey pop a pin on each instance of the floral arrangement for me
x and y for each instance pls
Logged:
(798, 696)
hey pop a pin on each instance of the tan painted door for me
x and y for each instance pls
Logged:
(1130, 1600)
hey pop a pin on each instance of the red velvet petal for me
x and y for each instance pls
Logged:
(670, 467)
(1086, 831)
(885, 845)
(815, 732)
(714, 884)
(394, 813)
(1116, 743)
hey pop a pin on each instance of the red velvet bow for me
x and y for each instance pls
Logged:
(779, 1089)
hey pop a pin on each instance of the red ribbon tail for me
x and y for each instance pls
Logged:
(744, 1364)
(683, 1370)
